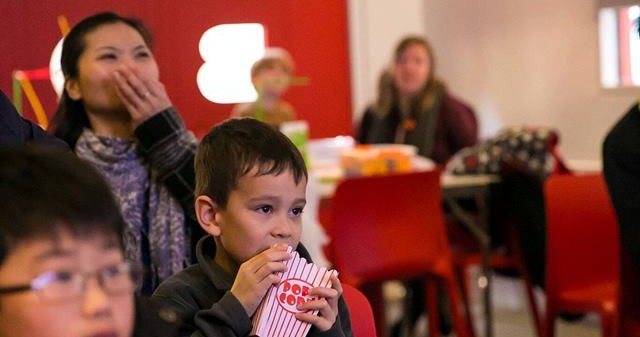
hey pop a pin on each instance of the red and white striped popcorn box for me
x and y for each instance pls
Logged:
(276, 315)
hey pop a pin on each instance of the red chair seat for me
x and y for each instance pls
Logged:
(597, 297)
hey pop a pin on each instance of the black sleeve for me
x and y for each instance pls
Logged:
(17, 130)
(621, 168)
(170, 149)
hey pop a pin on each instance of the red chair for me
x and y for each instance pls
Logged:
(391, 227)
(362, 321)
(583, 251)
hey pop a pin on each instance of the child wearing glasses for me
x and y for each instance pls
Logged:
(62, 267)
(250, 193)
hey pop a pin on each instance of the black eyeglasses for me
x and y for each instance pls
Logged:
(56, 286)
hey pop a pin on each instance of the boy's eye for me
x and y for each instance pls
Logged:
(114, 271)
(265, 209)
(62, 276)
(54, 279)
(297, 211)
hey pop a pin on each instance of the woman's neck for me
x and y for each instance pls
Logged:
(111, 125)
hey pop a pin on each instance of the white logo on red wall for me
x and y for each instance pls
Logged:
(293, 292)
(228, 51)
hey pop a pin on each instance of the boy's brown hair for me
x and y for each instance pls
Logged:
(235, 147)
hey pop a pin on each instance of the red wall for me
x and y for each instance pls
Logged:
(314, 32)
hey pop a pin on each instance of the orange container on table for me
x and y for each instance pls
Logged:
(366, 160)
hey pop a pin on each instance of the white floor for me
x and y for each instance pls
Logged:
(510, 311)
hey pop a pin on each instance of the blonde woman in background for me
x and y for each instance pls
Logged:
(414, 107)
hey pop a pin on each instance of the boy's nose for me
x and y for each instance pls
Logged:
(283, 227)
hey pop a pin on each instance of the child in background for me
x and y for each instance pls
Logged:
(62, 267)
(270, 76)
(250, 193)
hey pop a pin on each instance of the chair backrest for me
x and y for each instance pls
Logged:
(360, 312)
(582, 233)
(388, 226)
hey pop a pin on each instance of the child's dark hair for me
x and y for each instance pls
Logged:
(71, 117)
(45, 192)
(234, 148)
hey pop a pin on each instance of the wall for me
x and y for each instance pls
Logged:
(516, 61)
(374, 28)
(521, 62)
(315, 32)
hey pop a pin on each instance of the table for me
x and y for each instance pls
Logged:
(454, 188)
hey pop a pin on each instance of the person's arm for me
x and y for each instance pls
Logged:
(170, 149)
(16, 130)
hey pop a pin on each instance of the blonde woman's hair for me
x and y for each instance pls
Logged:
(388, 94)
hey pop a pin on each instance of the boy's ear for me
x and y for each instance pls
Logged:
(206, 210)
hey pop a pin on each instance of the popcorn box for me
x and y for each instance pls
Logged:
(275, 316)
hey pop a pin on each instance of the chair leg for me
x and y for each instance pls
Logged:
(463, 326)
(533, 304)
(549, 322)
(373, 292)
(463, 279)
(526, 278)
(433, 311)
(609, 324)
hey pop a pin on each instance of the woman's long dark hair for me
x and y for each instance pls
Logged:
(71, 116)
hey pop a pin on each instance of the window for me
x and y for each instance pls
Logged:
(619, 46)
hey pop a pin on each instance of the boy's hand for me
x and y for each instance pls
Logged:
(257, 274)
(327, 304)
(143, 97)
